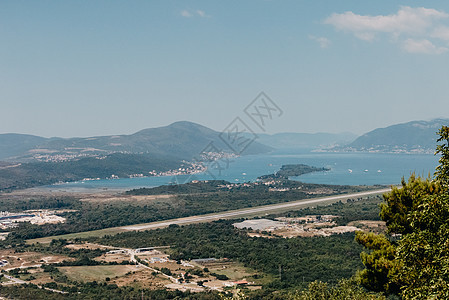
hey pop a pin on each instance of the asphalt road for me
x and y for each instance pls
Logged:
(13, 280)
(249, 211)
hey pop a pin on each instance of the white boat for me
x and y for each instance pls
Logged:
(350, 171)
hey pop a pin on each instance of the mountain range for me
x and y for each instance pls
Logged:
(185, 140)
(180, 140)
(27, 160)
(410, 137)
(293, 140)
(32, 161)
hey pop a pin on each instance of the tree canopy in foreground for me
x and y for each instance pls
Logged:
(412, 259)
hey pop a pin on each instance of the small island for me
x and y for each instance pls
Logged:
(287, 171)
(279, 180)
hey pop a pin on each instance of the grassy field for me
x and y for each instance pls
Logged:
(98, 273)
(85, 234)
(236, 271)
(233, 270)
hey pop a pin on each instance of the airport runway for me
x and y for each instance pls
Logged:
(250, 211)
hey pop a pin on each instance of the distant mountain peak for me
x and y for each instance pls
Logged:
(180, 125)
(185, 123)
(411, 137)
(181, 140)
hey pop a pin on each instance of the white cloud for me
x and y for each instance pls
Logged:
(186, 14)
(407, 20)
(201, 13)
(322, 41)
(441, 32)
(198, 13)
(413, 28)
(422, 46)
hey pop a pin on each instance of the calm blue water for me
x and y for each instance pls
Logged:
(367, 169)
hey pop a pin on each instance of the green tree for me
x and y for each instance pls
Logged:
(380, 265)
(380, 262)
(400, 202)
(413, 258)
(345, 289)
(442, 171)
(423, 255)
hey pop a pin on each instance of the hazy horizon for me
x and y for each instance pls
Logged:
(216, 129)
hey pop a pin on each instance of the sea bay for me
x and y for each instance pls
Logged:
(345, 169)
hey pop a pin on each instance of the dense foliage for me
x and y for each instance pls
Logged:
(19, 203)
(296, 188)
(208, 186)
(442, 171)
(345, 289)
(99, 291)
(400, 202)
(287, 171)
(413, 260)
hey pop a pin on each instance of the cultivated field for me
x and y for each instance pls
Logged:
(97, 273)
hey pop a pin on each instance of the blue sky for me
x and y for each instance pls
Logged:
(83, 68)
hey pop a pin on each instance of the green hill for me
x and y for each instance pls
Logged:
(411, 137)
(292, 140)
(47, 161)
(12, 144)
(34, 174)
(183, 140)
